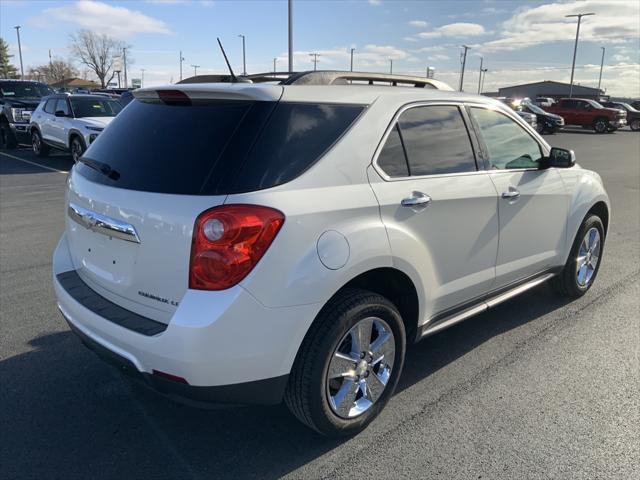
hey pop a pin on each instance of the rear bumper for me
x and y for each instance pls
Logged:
(227, 346)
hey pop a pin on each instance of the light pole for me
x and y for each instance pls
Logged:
(601, 65)
(290, 36)
(480, 74)
(275, 59)
(391, 66)
(124, 61)
(484, 74)
(575, 47)
(195, 70)
(464, 63)
(315, 60)
(181, 60)
(244, 58)
(18, 27)
(142, 79)
(351, 68)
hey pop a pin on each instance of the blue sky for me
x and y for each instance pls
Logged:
(520, 41)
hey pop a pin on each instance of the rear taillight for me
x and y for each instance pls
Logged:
(228, 241)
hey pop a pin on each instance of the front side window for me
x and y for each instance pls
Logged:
(508, 144)
(436, 140)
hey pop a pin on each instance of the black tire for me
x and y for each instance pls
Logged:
(8, 140)
(38, 146)
(541, 128)
(600, 125)
(307, 391)
(635, 125)
(566, 282)
(76, 147)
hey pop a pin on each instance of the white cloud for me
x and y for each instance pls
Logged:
(375, 2)
(102, 18)
(460, 30)
(410, 39)
(433, 48)
(438, 57)
(418, 23)
(615, 21)
(620, 58)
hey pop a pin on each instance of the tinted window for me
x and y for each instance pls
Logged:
(508, 144)
(568, 103)
(214, 148)
(392, 158)
(50, 106)
(95, 107)
(62, 106)
(436, 140)
(24, 89)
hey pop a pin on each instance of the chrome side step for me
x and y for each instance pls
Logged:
(485, 304)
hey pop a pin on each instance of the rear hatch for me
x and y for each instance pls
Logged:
(133, 200)
(134, 197)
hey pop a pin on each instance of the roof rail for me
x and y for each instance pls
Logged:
(333, 77)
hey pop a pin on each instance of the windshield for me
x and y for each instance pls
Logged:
(594, 104)
(24, 89)
(626, 106)
(95, 107)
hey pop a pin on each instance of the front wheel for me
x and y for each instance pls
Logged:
(77, 149)
(600, 125)
(7, 138)
(585, 257)
(348, 365)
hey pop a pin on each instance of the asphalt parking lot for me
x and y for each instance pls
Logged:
(537, 388)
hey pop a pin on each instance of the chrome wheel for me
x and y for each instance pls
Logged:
(360, 367)
(76, 150)
(588, 257)
(600, 126)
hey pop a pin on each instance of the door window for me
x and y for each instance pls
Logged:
(63, 106)
(392, 158)
(508, 144)
(49, 107)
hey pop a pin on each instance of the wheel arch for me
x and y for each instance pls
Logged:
(75, 133)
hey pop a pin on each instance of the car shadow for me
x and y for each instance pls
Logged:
(65, 412)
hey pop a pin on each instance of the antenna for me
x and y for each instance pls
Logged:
(233, 75)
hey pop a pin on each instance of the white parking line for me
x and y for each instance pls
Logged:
(33, 163)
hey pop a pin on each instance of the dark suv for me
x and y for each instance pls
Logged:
(633, 115)
(18, 99)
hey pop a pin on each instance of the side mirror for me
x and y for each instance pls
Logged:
(60, 113)
(559, 158)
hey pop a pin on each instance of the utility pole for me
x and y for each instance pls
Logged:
(18, 27)
(480, 74)
(50, 61)
(274, 64)
(195, 70)
(601, 66)
(142, 79)
(315, 60)
(244, 58)
(181, 60)
(391, 65)
(484, 74)
(464, 64)
(575, 47)
(351, 68)
(118, 72)
(124, 61)
(290, 36)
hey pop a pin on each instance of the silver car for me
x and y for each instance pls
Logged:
(70, 122)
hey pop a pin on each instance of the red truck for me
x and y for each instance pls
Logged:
(589, 114)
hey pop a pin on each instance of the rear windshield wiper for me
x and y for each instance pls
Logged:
(101, 167)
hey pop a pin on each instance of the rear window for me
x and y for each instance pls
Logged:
(215, 148)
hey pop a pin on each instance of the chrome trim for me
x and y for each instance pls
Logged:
(102, 224)
(417, 199)
(484, 305)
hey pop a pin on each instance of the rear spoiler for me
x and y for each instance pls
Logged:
(215, 91)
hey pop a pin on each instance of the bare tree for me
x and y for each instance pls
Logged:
(97, 52)
(54, 72)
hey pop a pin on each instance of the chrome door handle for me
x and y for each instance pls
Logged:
(417, 199)
(511, 193)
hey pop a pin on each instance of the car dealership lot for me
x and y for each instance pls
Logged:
(539, 387)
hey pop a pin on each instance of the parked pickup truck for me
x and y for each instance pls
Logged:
(589, 114)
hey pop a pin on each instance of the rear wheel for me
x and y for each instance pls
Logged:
(348, 365)
(583, 264)
(600, 125)
(38, 146)
(7, 138)
(77, 148)
(635, 125)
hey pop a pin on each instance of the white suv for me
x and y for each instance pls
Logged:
(70, 122)
(243, 243)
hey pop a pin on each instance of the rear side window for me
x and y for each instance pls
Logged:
(215, 148)
(50, 106)
(392, 158)
(436, 140)
(62, 106)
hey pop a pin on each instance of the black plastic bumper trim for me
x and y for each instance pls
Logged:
(83, 294)
(269, 391)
